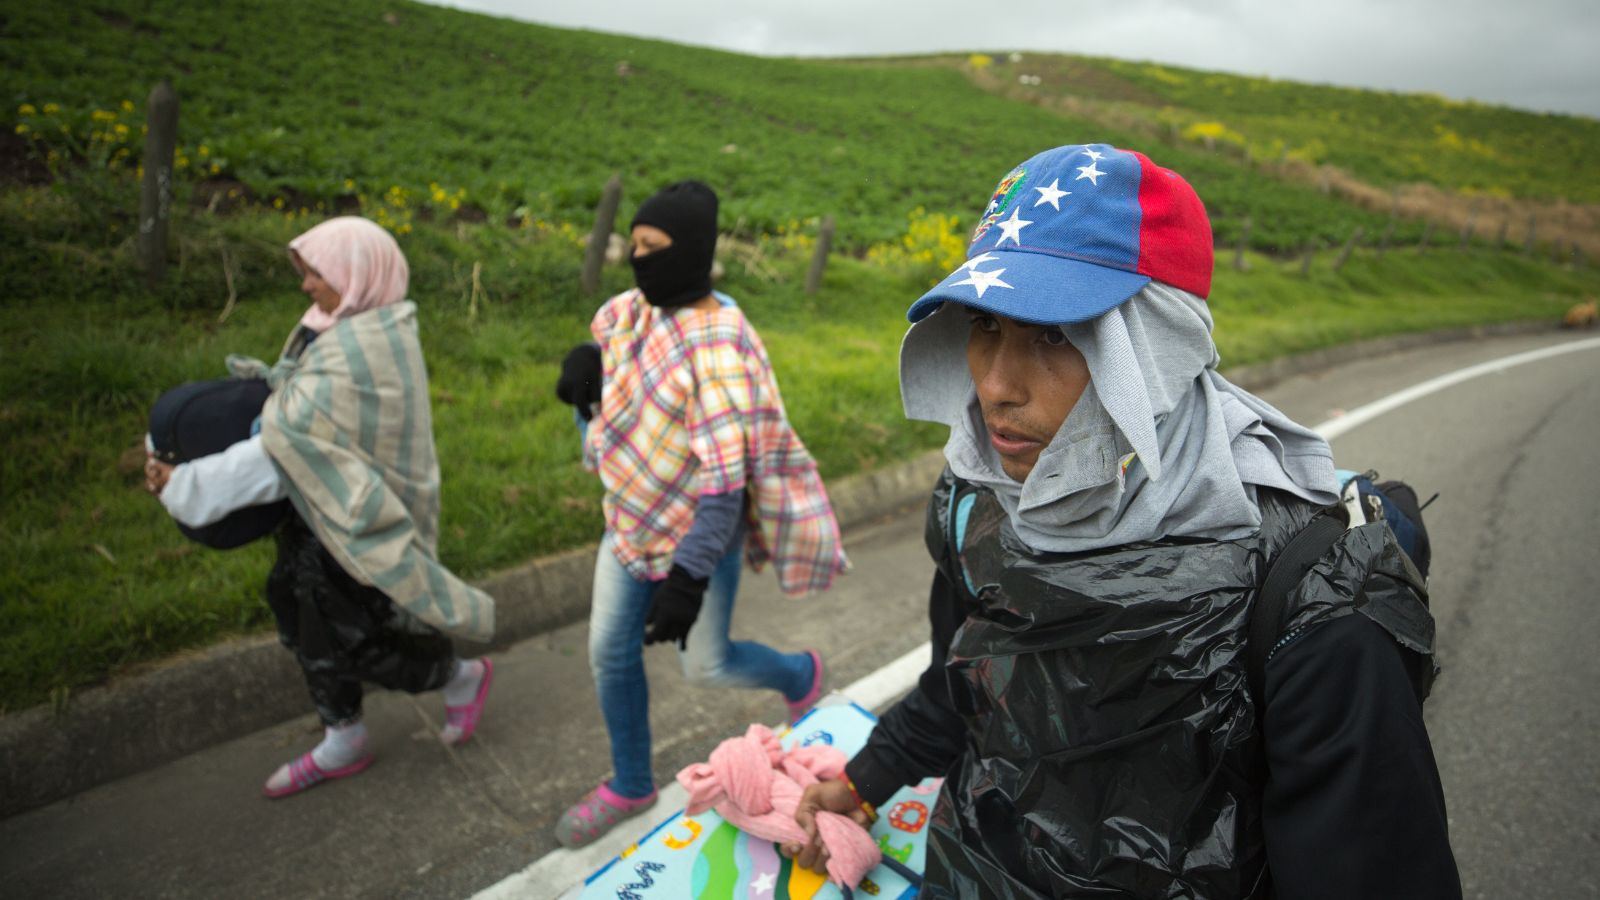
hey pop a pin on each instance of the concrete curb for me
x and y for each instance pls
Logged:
(199, 699)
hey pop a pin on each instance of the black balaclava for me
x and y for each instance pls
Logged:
(681, 273)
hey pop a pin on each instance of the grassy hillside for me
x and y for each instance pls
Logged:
(483, 144)
(1430, 158)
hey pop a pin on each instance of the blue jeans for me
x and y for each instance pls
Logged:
(616, 657)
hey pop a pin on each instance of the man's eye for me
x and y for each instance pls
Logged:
(981, 322)
(1055, 337)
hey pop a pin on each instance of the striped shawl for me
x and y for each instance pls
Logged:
(350, 425)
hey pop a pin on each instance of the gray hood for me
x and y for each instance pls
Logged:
(1159, 446)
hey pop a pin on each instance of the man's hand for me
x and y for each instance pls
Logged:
(830, 796)
(673, 608)
(156, 474)
(579, 383)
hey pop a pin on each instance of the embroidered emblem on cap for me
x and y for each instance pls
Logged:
(1003, 194)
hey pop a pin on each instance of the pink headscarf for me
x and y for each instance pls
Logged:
(357, 258)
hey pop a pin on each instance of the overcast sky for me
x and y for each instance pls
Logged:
(1533, 54)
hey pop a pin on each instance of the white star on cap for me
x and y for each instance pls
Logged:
(1093, 153)
(1051, 195)
(978, 261)
(1091, 173)
(982, 281)
(763, 884)
(1012, 227)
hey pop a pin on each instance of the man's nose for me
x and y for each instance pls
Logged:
(1004, 382)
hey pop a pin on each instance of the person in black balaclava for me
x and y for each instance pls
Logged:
(680, 272)
(674, 243)
(683, 423)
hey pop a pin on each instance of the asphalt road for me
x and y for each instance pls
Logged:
(1515, 719)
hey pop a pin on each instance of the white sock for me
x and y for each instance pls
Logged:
(463, 687)
(341, 746)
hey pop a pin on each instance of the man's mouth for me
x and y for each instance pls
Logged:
(1011, 442)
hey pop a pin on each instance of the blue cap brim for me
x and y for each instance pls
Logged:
(1033, 287)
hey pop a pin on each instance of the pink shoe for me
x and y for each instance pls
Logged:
(304, 774)
(461, 721)
(802, 706)
(598, 812)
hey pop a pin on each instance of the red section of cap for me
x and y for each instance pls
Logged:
(1174, 232)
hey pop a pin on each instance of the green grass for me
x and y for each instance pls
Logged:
(476, 118)
(1383, 137)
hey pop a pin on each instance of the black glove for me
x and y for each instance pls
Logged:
(674, 607)
(579, 383)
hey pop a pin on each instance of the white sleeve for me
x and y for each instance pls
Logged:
(204, 490)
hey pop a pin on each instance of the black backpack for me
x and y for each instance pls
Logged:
(1364, 499)
(200, 418)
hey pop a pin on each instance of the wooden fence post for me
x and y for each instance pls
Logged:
(819, 258)
(1344, 255)
(1466, 235)
(1427, 235)
(605, 217)
(1305, 264)
(155, 199)
(1244, 241)
(1505, 229)
(1527, 245)
(1388, 233)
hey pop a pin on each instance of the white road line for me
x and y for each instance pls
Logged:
(560, 874)
(1362, 415)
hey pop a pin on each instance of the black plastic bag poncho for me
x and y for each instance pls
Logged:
(1113, 747)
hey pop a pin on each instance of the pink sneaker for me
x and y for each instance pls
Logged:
(798, 708)
(304, 774)
(461, 721)
(598, 812)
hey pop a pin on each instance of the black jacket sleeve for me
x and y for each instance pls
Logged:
(921, 735)
(1353, 804)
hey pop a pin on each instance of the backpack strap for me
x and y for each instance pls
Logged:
(1284, 572)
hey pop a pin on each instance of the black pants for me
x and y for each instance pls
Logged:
(344, 632)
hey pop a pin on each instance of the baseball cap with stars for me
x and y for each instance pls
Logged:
(1074, 232)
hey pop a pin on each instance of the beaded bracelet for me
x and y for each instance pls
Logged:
(872, 814)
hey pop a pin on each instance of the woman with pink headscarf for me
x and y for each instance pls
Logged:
(347, 436)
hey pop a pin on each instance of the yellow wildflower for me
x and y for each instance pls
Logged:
(203, 151)
(51, 109)
(22, 129)
(215, 168)
(277, 203)
(26, 109)
(101, 115)
(127, 106)
(121, 130)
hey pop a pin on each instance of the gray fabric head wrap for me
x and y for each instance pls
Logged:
(1159, 446)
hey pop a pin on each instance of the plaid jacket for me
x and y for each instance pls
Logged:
(690, 406)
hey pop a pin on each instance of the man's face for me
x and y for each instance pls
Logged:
(1028, 380)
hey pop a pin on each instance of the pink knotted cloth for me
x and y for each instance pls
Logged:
(756, 785)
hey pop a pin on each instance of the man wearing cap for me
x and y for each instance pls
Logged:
(1100, 533)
